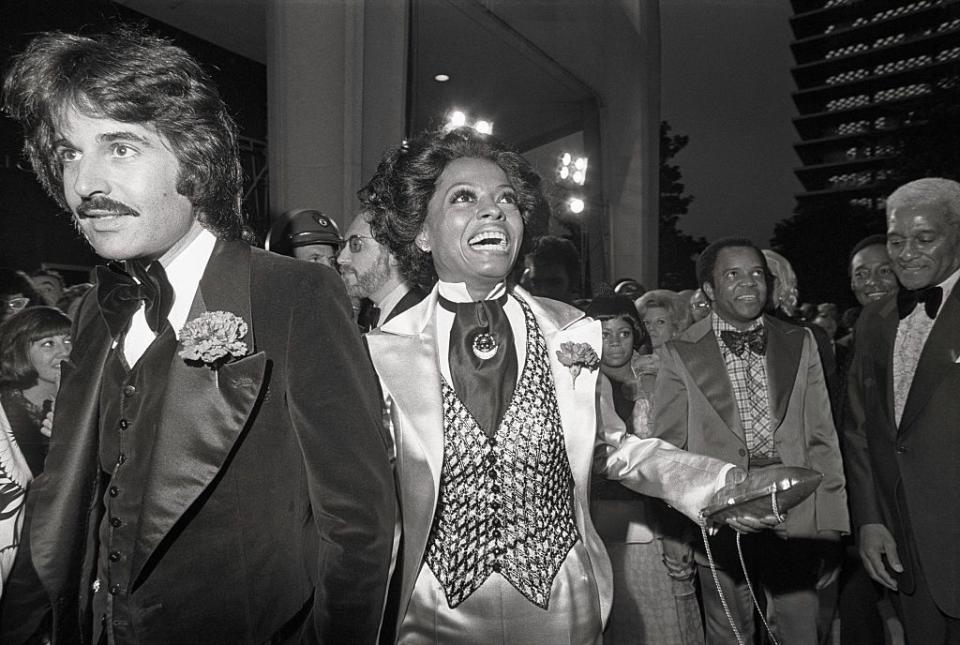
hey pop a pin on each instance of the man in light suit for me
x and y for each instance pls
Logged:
(903, 444)
(749, 389)
(209, 479)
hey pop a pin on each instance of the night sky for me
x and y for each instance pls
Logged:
(726, 83)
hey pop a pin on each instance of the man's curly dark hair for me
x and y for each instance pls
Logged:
(130, 76)
(396, 198)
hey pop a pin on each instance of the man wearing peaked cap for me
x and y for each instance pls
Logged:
(306, 234)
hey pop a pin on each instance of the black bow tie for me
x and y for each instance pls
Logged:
(120, 294)
(907, 301)
(740, 341)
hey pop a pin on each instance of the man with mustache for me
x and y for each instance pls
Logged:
(370, 271)
(209, 480)
(749, 388)
(903, 448)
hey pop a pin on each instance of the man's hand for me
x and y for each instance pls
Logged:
(735, 485)
(876, 541)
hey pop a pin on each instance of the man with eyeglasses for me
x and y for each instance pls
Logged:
(370, 271)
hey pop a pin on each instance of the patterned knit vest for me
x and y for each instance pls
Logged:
(506, 503)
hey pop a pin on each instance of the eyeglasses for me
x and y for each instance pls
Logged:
(355, 242)
(16, 304)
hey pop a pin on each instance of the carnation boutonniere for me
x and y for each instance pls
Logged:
(213, 338)
(576, 356)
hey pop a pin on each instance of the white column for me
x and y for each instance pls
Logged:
(336, 98)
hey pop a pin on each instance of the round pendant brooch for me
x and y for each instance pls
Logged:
(485, 346)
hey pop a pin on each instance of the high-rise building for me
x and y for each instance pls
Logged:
(874, 79)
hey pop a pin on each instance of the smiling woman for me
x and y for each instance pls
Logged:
(33, 342)
(494, 413)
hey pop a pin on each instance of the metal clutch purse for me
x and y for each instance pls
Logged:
(774, 490)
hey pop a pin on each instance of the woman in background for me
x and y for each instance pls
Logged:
(654, 599)
(664, 314)
(33, 343)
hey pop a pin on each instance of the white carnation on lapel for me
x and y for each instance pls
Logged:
(213, 338)
(577, 356)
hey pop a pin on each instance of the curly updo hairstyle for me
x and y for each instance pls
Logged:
(395, 200)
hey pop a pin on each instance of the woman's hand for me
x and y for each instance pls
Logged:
(46, 426)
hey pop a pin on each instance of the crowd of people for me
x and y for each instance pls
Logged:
(416, 431)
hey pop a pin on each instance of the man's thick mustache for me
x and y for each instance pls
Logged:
(104, 206)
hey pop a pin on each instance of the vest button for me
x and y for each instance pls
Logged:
(496, 534)
(129, 390)
(495, 489)
(742, 452)
(114, 590)
(114, 491)
(492, 474)
(901, 449)
(114, 556)
(124, 424)
(491, 458)
(121, 458)
(115, 522)
(495, 505)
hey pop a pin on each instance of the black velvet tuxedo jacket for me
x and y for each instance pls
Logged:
(269, 508)
(907, 476)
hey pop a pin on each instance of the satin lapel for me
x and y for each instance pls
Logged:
(939, 356)
(885, 337)
(66, 493)
(403, 352)
(704, 362)
(204, 410)
(784, 347)
(576, 398)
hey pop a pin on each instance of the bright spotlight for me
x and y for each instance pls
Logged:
(441, 78)
(483, 127)
(576, 205)
(570, 169)
(457, 119)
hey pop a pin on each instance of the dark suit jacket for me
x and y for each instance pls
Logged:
(696, 409)
(907, 477)
(269, 507)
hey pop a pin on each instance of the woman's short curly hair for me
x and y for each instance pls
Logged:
(669, 301)
(20, 331)
(395, 200)
(130, 76)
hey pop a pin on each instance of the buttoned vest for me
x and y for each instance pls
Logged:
(505, 503)
(130, 403)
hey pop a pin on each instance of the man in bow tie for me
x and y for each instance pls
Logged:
(209, 480)
(904, 406)
(749, 388)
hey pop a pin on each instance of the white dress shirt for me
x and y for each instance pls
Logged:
(184, 272)
(912, 334)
